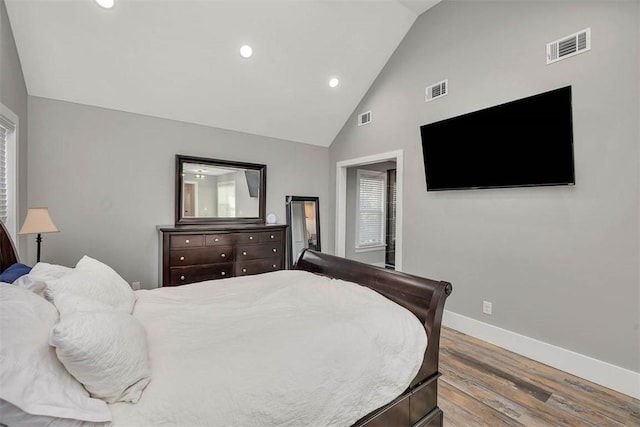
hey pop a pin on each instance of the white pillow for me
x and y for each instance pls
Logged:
(29, 283)
(44, 271)
(95, 280)
(68, 303)
(31, 376)
(39, 274)
(106, 351)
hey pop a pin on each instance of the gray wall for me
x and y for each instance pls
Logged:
(13, 94)
(560, 264)
(108, 179)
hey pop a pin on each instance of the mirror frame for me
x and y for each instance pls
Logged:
(262, 203)
(289, 199)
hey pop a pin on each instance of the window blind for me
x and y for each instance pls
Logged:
(4, 199)
(371, 200)
(227, 199)
(8, 177)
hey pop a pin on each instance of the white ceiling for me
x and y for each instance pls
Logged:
(179, 59)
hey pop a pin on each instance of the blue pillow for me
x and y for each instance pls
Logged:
(14, 272)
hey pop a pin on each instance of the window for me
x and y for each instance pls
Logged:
(227, 199)
(371, 186)
(8, 144)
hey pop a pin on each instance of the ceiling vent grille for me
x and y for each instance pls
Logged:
(569, 46)
(364, 118)
(437, 90)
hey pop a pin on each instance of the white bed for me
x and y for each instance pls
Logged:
(283, 348)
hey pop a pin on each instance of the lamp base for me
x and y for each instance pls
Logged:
(39, 241)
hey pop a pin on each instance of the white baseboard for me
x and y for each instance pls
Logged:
(594, 370)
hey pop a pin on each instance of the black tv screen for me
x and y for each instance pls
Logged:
(528, 142)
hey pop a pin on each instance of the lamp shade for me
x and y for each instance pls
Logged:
(38, 221)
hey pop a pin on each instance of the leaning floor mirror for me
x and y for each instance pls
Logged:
(303, 219)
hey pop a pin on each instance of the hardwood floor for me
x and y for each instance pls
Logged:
(485, 385)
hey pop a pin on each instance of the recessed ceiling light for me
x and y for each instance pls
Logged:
(246, 51)
(107, 4)
(334, 82)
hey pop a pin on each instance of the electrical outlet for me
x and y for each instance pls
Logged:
(487, 307)
(135, 285)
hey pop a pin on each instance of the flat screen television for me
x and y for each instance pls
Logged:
(528, 142)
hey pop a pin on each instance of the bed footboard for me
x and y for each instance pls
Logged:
(418, 406)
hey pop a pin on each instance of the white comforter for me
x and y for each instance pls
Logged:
(287, 348)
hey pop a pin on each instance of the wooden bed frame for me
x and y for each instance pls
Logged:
(8, 253)
(418, 405)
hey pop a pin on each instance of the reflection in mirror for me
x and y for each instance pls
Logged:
(303, 218)
(219, 192)
(210, 190)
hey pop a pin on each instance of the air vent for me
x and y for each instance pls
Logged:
(569, 46)
(437, 90)
(364, 118)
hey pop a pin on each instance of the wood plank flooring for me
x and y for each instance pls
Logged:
(485, 385)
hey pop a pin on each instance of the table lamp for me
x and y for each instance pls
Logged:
(37, 222)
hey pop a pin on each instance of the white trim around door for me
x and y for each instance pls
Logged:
(341, 198)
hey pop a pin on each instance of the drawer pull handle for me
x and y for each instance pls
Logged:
(272, 236)
(274, 250)
(216, 240)
(223, 255)
(244, 270)
(181, 258)
(250, 237)
(181, 277)
(186, 241)
(274, 266)
(244, 253)
(223, 273)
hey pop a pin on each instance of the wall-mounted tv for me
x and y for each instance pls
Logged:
(528, 142)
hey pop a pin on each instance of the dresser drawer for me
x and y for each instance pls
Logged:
(270, 236)
(259, 237)
(260, 266)
(247, 238)
(202, 255)
(218, 239)
(184, 275)
(187, 240)
(251, 252)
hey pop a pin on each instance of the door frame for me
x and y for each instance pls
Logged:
(341, 198)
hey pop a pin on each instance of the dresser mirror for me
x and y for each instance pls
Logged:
(210, 191)
(303, 219)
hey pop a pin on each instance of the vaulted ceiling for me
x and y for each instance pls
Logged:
(180, 60)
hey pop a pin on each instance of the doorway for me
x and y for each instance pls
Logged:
(190, 207)
(342, 219)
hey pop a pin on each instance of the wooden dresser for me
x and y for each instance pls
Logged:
(196, 253)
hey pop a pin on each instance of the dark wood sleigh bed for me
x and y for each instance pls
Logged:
(425, 298)
(418, 405)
